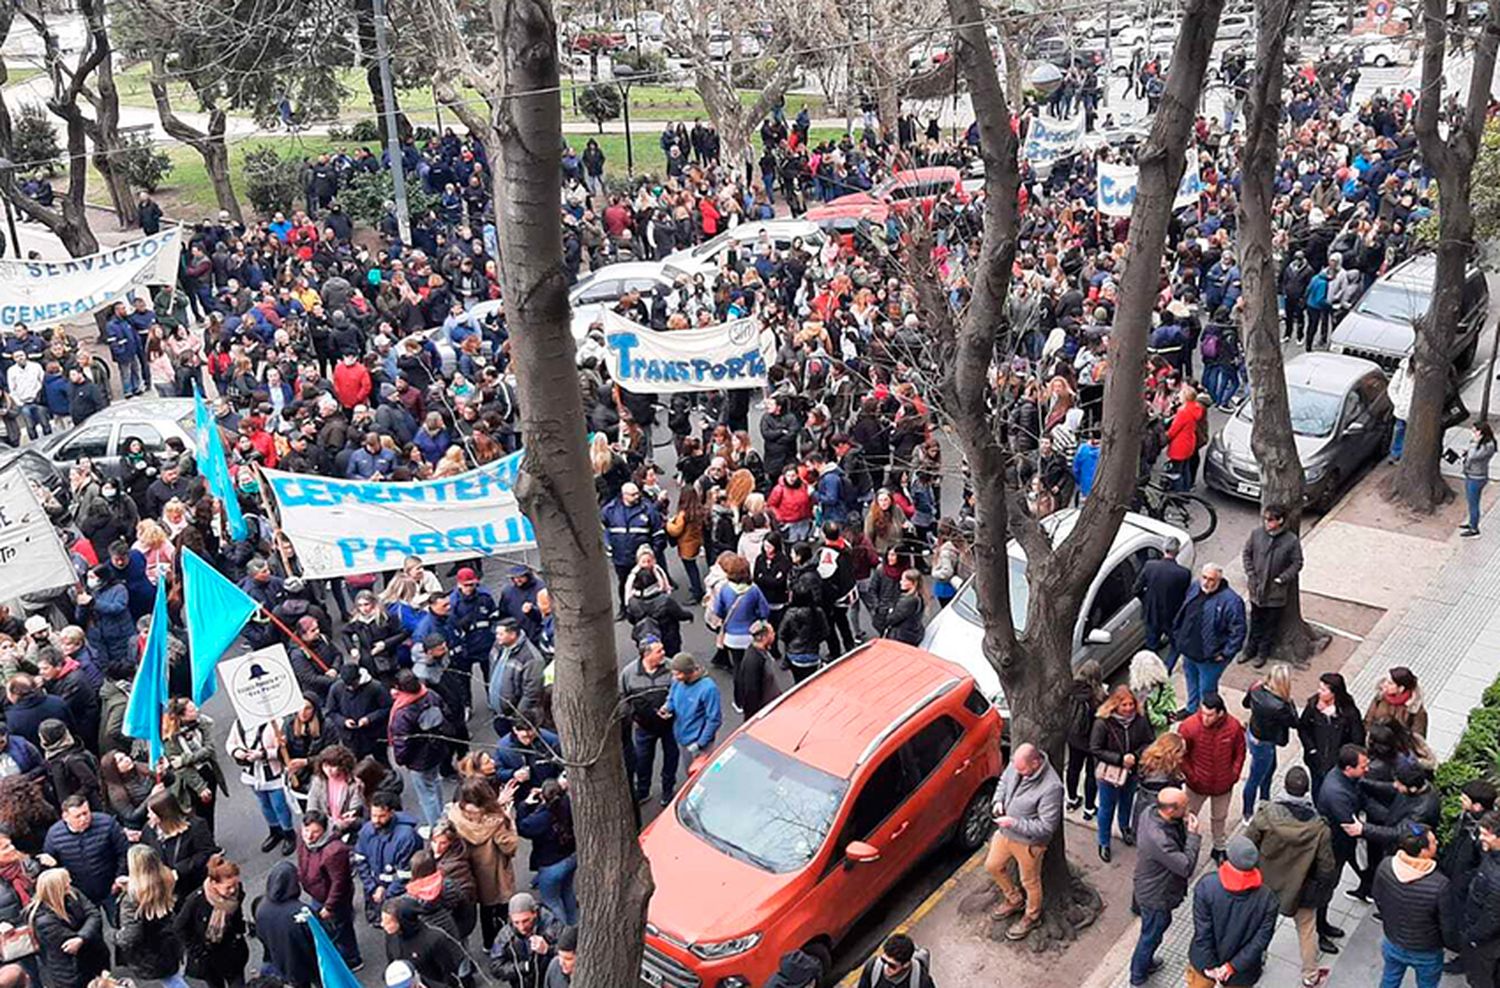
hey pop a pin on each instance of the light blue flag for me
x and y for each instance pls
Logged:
(214, 611)
(214, 467)
(333, 972)
(148, 697)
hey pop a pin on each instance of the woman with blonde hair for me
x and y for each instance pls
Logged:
(610, 469)
(175, 517)
(70, 930)
(1153, 689)
(147, 940)
(452, 463)
(152, 542)
(1273, 717)
(1119, 736)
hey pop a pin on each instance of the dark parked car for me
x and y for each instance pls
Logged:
(1342, 418)
(1379, 327)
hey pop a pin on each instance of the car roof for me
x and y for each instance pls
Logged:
(1418, 272)
(1332, 372)
(1059, 524)
(629, 269)
(830, 719)
(934, 173)
(138, 409)
(782, 227)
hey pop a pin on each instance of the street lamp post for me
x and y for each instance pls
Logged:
(624, 75)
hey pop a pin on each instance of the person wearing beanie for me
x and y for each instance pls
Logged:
(1297, 863)
(1412, 899)
(1234, 916)
(560, 971)
(525, 946)
(694, 707)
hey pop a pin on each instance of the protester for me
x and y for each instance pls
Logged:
(1208, 631)
(1119, 736)
(211, 925)
(1234, 916)
(1412, 897)
(147, 940)
(1273, 715)
(70, 931)
(1084, 697)
(1297, 863)
(1215, 757)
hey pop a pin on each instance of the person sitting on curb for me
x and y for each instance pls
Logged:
(1234, 916)
(1027, 809)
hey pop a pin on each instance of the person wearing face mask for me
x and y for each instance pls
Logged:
(630, 522)
(108, 518)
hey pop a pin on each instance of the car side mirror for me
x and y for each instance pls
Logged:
(1098, 636)
(1354, 428)
(858, 852)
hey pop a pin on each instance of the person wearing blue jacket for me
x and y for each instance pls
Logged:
(57, 392)
(19, 756)
(1085, 466)
(125, 350)
(694, 707)
(383, 851)
(833, 492)
(371, 460)
(1208, 632)
(473, 613)
(1316, 302)
(630, 522)
(104, 610)
(529, 755)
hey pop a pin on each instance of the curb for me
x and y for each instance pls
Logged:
(926, 906)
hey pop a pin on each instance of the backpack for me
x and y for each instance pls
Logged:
(919, 961)
(1210, 346)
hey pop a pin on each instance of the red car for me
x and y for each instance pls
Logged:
(922, 186)
(808, 814)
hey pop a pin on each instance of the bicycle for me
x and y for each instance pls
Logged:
(1190, 512)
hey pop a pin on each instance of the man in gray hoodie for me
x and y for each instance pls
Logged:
(1028, 809)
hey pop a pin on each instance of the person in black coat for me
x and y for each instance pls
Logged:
(85, 398)
(289, 952)
(437, 957)
(183, 840)
(29, 706)
(1463, 851)
(1329, 721)
(755, 676)
(1479, 921)
(211, 922)
(1340, 800)
(60, 913)
(651, 610)
(1416, 803)
(797, 970)
(1161, 588)
(357, 711)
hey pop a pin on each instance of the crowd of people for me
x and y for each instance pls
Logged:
(795, 524)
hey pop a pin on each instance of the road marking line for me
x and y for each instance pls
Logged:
(1337, 631)
(926, 906)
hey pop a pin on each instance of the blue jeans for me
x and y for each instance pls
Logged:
(1202, 679)
(554, 884)
(1473, 486)
(1222, 382)
(645, 756)
(1117, 802)
(1262, 768)
(428, 786)
(274, 807)
(1398, 439)
(1428, 964)
(1154, 923)
(130, 378)
(175, 980)
(34, 417)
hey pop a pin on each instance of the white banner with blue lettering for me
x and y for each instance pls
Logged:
(1117, 187)
(340, 527)
(728, 356)
(45, 293)
(1047, 140)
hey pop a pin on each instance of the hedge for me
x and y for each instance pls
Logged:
(1477, 755)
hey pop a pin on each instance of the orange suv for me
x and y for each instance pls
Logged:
(808, 814)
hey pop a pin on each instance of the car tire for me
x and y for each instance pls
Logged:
(977, 823)
(1330, 492)
(820, 952)
(1382, 62)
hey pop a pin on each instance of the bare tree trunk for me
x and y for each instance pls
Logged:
(104, 129)
(1271, 436)
(614, 882)
(1417, 482)
(211, 145)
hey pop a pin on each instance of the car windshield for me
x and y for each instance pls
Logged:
(968, 607)
(761, 806)
(1391, 302)
(1314, 413)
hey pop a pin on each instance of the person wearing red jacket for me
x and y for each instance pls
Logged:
(791, 502)
(1215, 756)
(1182, 437)
(351, 382)
(326, 875)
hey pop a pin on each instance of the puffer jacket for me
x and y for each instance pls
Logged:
(1033, 802)
(1166, 855)
(1215, 754)
(94, 858)
(150, 947)
(61, 969)
(1412, 896)
(1481, 912)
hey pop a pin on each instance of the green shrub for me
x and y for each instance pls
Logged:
(33, 140)
(145, 164)
(600, 102)
(1491, 697)
(272, 182)
(1476, 756)
(365, 196)
(365, 131)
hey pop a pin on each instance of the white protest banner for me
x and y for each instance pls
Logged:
(1117, 185)
(1047, 140)
(339, 527)
(32, 557)
(731, 355)
(45, 293)
(261, 685)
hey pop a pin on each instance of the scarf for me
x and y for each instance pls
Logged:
(1122, 720)
(1398, 699)
(13, 873)
(58, 748)
(223, 908)
(426, 889)
(485, 830)
(1235, 880)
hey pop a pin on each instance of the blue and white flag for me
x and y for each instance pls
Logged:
(1048, 140)
(333, 970)
(214, 467)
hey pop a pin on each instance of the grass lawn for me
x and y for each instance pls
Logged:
(17, 74)
(647, 103)
(187, 194)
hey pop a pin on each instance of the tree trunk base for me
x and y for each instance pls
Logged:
(1061, 922)
(1417, 491)
(1298, 643)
